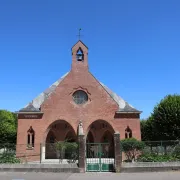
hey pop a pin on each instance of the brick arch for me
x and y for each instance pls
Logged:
(93, 127)
(49, 128)
(99, 120)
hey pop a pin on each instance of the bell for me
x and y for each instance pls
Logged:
(79, 57)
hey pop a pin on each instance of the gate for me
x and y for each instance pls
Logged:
(99, 157)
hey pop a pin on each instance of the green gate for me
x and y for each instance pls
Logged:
(99, 157)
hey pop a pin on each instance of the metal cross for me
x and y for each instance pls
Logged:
(79, 35)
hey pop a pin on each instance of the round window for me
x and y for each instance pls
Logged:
(80, 97)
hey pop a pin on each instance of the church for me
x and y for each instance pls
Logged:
(76, 98)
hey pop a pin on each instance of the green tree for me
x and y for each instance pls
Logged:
(147, 129)
(8, 126)
(166, 118)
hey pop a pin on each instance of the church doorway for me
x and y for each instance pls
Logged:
(59, 131)
(100, 147)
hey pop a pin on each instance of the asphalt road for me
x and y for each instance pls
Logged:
(90, 176)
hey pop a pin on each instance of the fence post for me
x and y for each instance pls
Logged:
(43, 151)
(40, 153)
(81, 160)
(162, 149)
(117, 152)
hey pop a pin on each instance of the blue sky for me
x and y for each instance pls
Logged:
(134, 47)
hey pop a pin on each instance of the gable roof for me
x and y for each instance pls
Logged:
(35, 105)
(80, 42)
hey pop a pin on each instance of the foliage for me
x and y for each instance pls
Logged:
(176, 152)
(146, 157)
(159, 151)
(68, 149)
(8, 126)
(8, 157)
(132, 148)
(147, 129)
(166, 117)
(164, 122)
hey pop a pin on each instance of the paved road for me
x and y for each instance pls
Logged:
(90, 176)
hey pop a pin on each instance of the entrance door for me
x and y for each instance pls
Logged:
(99, 157)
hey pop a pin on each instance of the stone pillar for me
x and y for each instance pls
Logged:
(81, 162)
(117, 152)
(43, 152)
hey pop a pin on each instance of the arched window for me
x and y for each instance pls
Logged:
(128, 132)
(30, 137)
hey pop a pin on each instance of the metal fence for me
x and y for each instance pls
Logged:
(38, 153)
(152, 151)
(162, 147)
(62, 153)
(156, 151)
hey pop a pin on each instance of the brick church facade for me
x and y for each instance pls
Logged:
(76, 97)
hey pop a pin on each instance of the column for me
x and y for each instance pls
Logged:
(43, 152)
(117, 152)
(81, 162)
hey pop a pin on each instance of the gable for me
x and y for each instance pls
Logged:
(36, 103)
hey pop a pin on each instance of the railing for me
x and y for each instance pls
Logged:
(157, 151)
(152, 151)
(39, 153)
(65, 154)
(162, 147)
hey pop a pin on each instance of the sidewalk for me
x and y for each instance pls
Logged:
(89, 176)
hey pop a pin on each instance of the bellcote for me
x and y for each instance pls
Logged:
(79, 57)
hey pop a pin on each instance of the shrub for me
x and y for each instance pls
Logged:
(132, 148)
(67, 150)
(176, 152)
(155, 158)
(9, 158)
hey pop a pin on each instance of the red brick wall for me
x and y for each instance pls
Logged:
(60, 105)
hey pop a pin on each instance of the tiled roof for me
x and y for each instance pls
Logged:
(35, 105)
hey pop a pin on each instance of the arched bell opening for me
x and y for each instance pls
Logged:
(80, 55)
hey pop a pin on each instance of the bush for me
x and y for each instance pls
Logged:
(132, 148)
(155, 158)
(71, 151)
(9, 158)
(67, 150)
(176, 152)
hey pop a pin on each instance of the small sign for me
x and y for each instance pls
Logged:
(30, 116)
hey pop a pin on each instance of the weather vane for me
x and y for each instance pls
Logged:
(79, 35)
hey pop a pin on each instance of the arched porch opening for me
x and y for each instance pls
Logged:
(100, 140)
(99, 129)
(58, 131)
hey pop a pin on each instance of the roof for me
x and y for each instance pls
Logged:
(123, 105)
(80, 42)
(35, 105)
